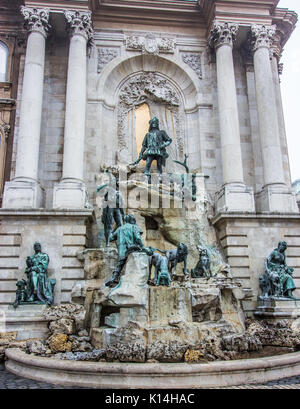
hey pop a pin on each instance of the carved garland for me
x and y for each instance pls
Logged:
(193, 60)
(105, 55)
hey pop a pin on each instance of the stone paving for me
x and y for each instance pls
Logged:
(11, 381)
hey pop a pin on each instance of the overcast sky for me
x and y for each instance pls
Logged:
(290, 88)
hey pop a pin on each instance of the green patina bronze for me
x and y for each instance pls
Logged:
(202, 268)
(38, 288)
(277, 280)
(128, 237)
(113, 210)
(154, 147)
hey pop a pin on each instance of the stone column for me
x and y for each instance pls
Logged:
(276, 52)
(24, 190)
(234, 195)
(275, 196)
(71, 192)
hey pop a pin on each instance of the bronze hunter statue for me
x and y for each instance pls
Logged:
(154, 147)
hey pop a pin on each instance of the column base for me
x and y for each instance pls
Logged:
(235, 198)
(22, 195)
(277, 199)
(69, 195)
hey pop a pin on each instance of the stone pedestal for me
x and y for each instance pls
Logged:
(271, 308)
(132, 290)
(276, 199)
(234, 198)
(27, 321)
(69, 195)
(23, 195)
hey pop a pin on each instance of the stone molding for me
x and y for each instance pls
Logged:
(150, 44)
(193, 60)
(80, 23)
(223, 34)
(36, 20)
(151, 375)
(105, 55)
(262, 36)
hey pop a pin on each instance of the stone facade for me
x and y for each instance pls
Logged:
(207, 69)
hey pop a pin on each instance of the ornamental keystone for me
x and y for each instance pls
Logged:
(223, 33)
(36, 20)
(80, 22)
(262, 36)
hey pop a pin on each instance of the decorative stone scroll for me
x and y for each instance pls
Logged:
(193, 60)
(80, 22)
(150, 44)
(223, 33)
(105, 55)
(4, 130)
(262, 36)
(142, 86)
(36, 20)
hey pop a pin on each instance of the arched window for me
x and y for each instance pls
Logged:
(3, 61)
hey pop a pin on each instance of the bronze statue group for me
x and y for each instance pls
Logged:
(276, 282)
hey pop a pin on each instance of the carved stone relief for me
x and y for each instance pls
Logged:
(105, 55)
(150, 44)
(80, 23)
(262, 36)
(193, 60)
(36, 19)
(160, 95)
(4, 130)
(223, 33)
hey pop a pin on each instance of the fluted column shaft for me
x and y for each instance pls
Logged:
(71, 191)
(75, 109)
(222, 38)
(266, 106)
(32, 95)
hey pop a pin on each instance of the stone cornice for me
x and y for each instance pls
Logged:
(36, 20)
(148, 12)
(220, 217)
(222, 33)
(79, 23)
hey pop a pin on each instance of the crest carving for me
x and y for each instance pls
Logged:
(150, 44)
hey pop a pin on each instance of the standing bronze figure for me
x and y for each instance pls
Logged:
(114, 210)
(154, 147)
(128, 237)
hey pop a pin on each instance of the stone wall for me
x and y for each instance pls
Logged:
(61, 234)
(249, 240)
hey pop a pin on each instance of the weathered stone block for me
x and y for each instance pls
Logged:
(132, 290)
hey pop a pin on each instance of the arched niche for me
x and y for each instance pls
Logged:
(170, 90)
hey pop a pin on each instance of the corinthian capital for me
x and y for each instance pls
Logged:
(223, 33)
(36, 19)
(80, 22)
(262, 36)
